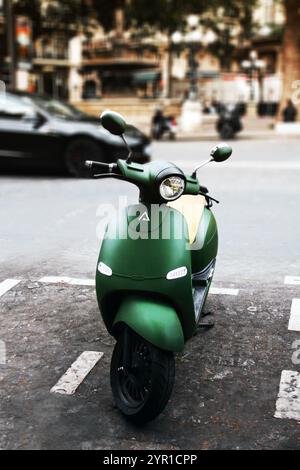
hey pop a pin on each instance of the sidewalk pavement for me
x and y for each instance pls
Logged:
(244, 135)
(253, 128)
(258, 128)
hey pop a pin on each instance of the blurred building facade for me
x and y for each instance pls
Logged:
(123, 63)
(120, 65)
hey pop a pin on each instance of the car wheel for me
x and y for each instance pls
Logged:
(77, 152)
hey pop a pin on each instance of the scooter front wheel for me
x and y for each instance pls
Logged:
(142, 388)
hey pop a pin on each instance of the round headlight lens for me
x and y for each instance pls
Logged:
(172, 188)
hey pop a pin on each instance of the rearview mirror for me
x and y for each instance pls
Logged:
(221, 152)
(113, 122)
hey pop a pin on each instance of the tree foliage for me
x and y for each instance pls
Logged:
(163, 15)
(224, 19)
(168, 15)
(220, 16)
(51, 14)
(146, 15)
(291, 54)
(68, 14)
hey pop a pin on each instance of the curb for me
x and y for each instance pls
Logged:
(256, 135)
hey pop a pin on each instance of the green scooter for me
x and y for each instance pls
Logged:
(153, 275)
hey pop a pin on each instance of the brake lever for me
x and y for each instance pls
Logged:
(212, 199)
(209, 199)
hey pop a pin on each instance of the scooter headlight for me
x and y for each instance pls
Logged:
(172, 188)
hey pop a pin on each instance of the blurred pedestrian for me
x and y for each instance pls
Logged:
(158, 121)
(208, 108)
(32, 87)
(289, 113)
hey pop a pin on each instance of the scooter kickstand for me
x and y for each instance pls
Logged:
(206, 314)
(206, 324)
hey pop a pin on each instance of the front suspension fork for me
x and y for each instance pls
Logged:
(126, 350)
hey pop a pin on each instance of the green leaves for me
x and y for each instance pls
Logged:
(163, 15)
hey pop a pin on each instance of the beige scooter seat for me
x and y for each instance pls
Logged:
(192, 208)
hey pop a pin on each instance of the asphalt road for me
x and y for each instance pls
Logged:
(227, 379)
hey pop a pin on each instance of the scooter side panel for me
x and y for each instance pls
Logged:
(154, 320)
(140, 266)
(205, 248)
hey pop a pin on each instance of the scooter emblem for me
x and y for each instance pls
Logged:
(144, 217)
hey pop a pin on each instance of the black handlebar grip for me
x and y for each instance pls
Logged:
(105, 167)
(90, 164)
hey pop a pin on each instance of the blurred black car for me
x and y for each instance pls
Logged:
(37, 131)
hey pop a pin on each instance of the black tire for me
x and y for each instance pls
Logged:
(142, 394)
(226, 132)
(77, 152)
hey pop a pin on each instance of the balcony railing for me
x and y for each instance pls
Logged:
(131, 50)
(52, 54)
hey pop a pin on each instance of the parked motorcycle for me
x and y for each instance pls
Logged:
(167, 125)
(229, 122)
(154, 273)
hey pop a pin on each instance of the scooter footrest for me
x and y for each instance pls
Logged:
(206, 324)
(204, 277)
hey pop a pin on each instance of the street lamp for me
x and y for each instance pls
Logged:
(191, 117)
(177, 38)
(191, 40)
(251, 66)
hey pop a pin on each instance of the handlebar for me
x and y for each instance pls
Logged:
(135, 176)
(107, 167)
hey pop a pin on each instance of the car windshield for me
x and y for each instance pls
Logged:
(58, 109)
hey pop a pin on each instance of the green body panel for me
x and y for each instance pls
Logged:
(155, 321)
(192, 186)
(141, 266)
(205, 247)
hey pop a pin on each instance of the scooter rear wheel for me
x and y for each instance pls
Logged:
(142, 392)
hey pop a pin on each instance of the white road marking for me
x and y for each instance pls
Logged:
(292, 280)
(223, 291)
(70, 381)
(91, 282)
(8, 284)
(294, 323)
(288, 400)
(67, 280)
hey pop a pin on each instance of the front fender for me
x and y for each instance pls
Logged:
(155, 321)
